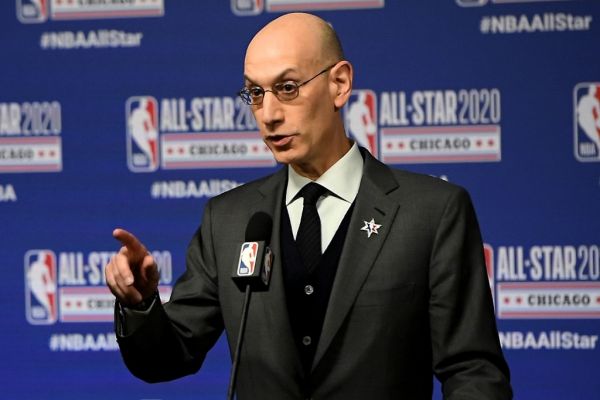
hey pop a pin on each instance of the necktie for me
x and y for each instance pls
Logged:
(308, 238)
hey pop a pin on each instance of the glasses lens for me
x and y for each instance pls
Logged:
(252, 95)
(245, 95)
(286, 90)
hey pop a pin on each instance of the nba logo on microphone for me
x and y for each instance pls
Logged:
(361, 119)
(247, 259)
(247, 7)
(586, 108)
(142, 133)
(32, 11)
(40, 287)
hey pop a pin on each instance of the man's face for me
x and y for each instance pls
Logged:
(298, 131)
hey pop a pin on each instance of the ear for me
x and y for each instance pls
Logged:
(341, 83)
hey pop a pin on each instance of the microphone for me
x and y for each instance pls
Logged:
(254, 264)
(252, 272)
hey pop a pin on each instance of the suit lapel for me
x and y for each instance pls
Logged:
(359, 252)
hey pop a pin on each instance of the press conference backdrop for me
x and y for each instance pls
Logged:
(124, 114)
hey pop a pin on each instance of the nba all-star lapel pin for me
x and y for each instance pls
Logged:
(371, 227)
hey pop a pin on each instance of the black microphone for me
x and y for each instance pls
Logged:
(253, 266)
(252, 272)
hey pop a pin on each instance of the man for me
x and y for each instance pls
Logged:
(398, 294)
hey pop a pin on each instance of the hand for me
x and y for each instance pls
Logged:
(131, 274)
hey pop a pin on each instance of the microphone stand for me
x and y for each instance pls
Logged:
(238, 347)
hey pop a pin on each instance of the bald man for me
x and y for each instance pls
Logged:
(391, 291)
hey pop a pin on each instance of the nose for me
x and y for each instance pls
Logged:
(272, 112)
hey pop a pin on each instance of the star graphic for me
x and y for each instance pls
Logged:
(371, 227)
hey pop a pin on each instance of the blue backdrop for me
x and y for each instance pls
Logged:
(124, 114)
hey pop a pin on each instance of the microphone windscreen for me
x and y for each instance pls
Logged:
(259, 228)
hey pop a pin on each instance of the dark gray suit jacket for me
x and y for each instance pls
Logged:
(407, 303)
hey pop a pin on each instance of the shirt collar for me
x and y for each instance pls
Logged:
(342, 178)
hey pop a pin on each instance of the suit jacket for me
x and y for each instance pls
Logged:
(409, 302)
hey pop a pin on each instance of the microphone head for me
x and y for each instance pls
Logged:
(259, 228)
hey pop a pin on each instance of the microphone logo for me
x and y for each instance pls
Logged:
(247, 260)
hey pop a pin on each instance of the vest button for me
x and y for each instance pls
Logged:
(306, 340)
(309, 289)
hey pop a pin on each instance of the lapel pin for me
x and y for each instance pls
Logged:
(371, 227)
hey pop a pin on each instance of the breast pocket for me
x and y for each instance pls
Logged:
(378, 297)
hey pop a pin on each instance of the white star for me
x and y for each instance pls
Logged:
(371, 227)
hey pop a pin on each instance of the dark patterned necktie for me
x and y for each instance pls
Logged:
(308, 238)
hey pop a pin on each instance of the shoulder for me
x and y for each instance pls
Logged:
(250, 192)
(404, 185)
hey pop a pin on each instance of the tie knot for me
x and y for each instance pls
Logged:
(311, 193)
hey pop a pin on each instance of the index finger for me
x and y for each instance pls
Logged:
(135, 248)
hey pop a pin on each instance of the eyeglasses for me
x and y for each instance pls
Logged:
(284, 91)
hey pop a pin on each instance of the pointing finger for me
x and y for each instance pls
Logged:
(135, 249)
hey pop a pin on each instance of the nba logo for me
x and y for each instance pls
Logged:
(40, 287)
(361, 119)
(32, 11)
(142, 133)
(488, 253)
(586, 98)
(247, 259)
(247, 7)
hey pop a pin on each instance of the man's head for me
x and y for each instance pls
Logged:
(306, 132)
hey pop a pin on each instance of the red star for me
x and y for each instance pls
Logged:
(598, 299)
(41, 153)
(401, 145)
(181, 150)
(266, 149)
(52, 153)
(169, 150)
(491, 142)
(255, 149)
(67, 304)
(389, 145)
(478, 143)
(519, 300)
(507, 300)
(79, 304)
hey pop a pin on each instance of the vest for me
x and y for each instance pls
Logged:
(307, 294)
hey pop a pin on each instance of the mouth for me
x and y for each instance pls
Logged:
(281, 140)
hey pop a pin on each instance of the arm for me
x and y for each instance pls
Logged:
(171, 341)
(467, 358)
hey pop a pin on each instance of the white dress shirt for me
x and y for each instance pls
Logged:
(342, 181)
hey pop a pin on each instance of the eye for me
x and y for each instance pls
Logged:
(255, 91)
(288, 87)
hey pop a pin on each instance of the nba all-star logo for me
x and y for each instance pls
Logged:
(586, 107)
(192, 133)
(36, 11)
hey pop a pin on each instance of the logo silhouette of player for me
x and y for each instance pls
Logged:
(248, 259)
(42, 284)
(142, 126)
(361, 123)
(588, 114)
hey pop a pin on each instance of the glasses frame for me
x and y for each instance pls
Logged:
(247, 99)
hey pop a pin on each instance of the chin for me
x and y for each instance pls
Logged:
(289, 156)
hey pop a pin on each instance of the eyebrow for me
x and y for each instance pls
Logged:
(277, 78)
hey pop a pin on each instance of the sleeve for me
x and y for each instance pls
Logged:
(467, 358)
(173, 339)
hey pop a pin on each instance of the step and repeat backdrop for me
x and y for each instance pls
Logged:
(123, 113)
